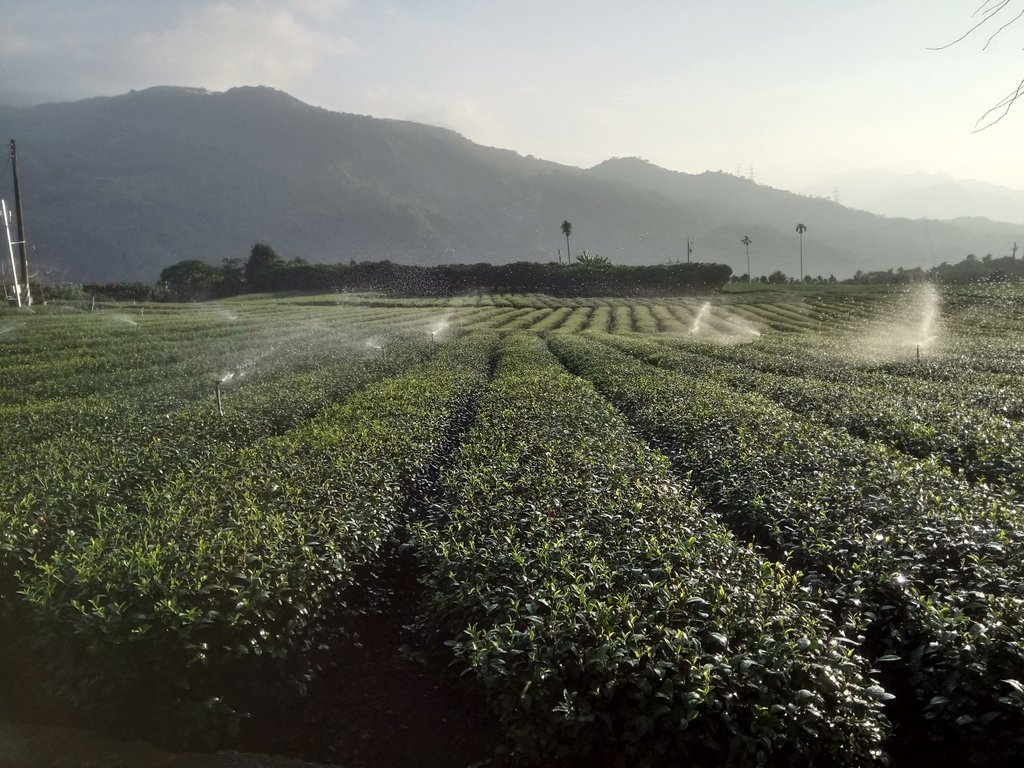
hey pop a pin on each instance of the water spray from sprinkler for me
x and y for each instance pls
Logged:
(705, 308)
(928, 300)
(380, 348)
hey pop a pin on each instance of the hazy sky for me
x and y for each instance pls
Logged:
(796, 89)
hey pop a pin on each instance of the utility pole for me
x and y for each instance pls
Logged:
(10, 250)
(23, 249)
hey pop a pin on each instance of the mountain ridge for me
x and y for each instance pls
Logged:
(118, 187)
(923, 195)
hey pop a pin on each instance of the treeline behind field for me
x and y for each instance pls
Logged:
(1004, 269)
(520, 277)
(266, 272)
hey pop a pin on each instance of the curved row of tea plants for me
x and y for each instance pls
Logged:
(611, 619)
(983, 445)
(925, 569)
(217, 580)
(68, 458)
(285, 396)
(940, 380)
(80, 359)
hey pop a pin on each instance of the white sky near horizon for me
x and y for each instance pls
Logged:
(797, 89)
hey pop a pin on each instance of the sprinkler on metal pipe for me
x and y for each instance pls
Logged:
(220, 404)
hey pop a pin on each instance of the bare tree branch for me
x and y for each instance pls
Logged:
(988, 11)
(1000, 4)
(1004, 105)
(993, 37)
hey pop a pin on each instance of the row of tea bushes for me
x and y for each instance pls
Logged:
(68, 459)
(207, 590)
(175, 358)
(612, 619)
(986, 446)
(941, 379)
(924, 568)
(286, 396)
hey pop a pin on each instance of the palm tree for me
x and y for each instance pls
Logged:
(567, 230)
(746, 242)
(800, 229)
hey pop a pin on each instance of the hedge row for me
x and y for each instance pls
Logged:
(610, 617)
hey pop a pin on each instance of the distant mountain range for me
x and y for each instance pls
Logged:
(117, 188)
(922, 195)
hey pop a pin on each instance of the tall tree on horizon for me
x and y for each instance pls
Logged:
(567, 230)
(746, 242)
(800, 229)
(261, 258)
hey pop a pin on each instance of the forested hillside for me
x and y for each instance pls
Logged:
(118, 188)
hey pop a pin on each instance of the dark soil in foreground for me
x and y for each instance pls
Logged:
(388, 699)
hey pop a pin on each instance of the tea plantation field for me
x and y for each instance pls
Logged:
(760, 528)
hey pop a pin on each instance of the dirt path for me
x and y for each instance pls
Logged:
(38, 746)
